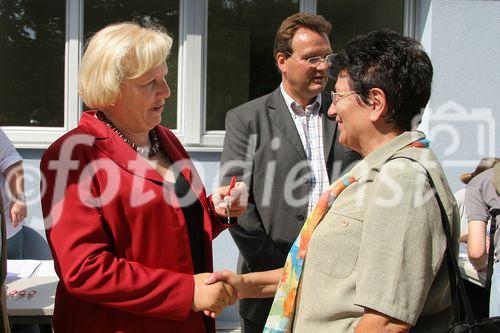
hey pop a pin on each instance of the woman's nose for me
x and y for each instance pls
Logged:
(332, 110)
(165, 90)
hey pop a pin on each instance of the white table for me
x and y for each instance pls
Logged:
(36, 309)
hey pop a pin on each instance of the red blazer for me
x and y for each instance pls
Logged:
(119, 242)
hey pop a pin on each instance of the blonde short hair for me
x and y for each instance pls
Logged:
(118, 52)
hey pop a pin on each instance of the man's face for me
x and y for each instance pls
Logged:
(302, 80)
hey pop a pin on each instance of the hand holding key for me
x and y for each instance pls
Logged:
(227, 199)
(230, 201)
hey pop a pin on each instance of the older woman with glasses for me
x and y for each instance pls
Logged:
(128, 221)
(370, 256)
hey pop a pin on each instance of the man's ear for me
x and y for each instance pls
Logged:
(378, 105)
(281, 61)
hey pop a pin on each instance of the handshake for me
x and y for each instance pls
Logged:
(214, 291)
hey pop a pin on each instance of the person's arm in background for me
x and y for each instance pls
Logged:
(11, 168)
(477, 244)
(477, 215)
(250, 236)
(15, 179)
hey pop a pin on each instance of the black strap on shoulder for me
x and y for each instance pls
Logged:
(460, 301)
(494, 212)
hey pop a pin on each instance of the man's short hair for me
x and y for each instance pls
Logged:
(118, 52)
(395, 64)
(287, 29)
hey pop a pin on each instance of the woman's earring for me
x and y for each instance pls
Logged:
(112, 105)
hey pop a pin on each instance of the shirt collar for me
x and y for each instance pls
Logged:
(379, 156)
(296, 108)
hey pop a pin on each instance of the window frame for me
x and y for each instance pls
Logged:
(191, 79)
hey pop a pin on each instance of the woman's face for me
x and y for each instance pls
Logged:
(350, 114)
(141, 101)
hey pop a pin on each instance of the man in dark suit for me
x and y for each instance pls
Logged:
(284, 147)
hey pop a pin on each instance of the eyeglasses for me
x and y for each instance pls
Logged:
(314, 61)
(337, 96)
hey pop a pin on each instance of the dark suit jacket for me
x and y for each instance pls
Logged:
(262, 148)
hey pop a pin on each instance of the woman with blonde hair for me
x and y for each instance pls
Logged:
(128, 221)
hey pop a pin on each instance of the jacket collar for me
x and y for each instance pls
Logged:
(376, 159)
(280, 115)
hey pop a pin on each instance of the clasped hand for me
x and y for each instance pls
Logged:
(230, 280)
(251, 285)
(211, 298)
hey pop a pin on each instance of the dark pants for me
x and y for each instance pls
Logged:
(15, 246)
(479, 299)
(249, 326)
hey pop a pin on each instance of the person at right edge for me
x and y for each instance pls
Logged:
(481, 199)
(285, 147)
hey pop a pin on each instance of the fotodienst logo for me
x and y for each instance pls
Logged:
(461, 137)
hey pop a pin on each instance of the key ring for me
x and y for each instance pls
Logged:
(22, 293)
(31, 293)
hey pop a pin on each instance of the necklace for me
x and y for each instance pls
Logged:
(144, 151)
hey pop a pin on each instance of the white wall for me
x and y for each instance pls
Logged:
(463, 39)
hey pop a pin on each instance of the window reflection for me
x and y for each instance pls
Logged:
(32, 36)
(99, 13)
(240, 63)
(350, 18)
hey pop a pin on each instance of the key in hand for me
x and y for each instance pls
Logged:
(226, 199)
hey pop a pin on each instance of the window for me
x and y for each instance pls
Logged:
(353, 17)
(240, 62)
(32, 36)
(221, 57)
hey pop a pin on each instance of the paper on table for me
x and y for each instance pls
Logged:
(46, 268)
(17, 269)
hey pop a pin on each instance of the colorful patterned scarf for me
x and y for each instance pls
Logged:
(282, 311)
